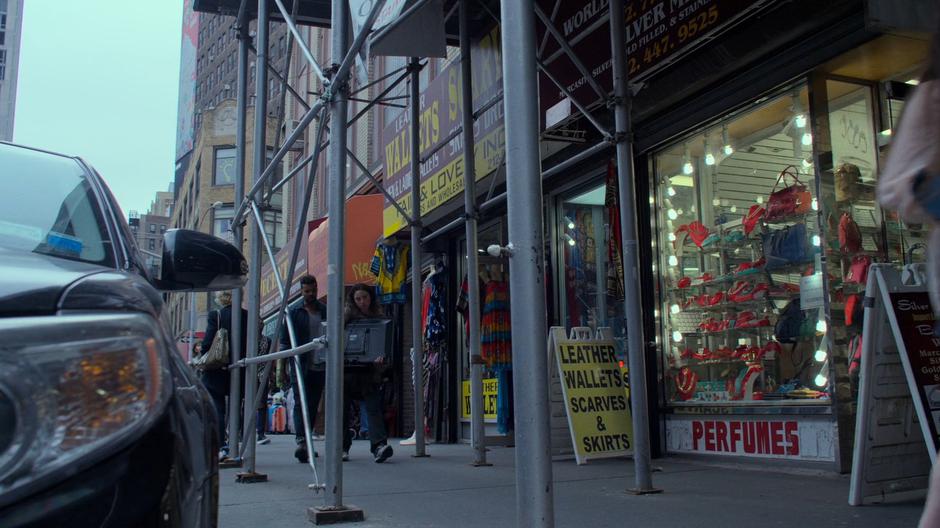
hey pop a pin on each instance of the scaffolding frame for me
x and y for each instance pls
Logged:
(523, 197)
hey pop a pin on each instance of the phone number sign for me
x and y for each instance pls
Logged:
(656, 32)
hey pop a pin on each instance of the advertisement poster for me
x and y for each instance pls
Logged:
(490, 392)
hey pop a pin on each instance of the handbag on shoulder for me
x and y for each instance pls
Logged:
(218, 354)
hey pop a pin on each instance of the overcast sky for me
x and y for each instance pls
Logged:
(99, 79)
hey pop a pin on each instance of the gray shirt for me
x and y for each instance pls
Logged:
(315, 322)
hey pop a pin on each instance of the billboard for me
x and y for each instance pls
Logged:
(187, 84)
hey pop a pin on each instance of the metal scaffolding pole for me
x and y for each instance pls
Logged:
(241, 105)
(477, 431)
(631, 276)
(534, 488)
(336, 199)
(416, 337)
(254, 236)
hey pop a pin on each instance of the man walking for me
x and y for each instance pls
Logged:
(308, 322)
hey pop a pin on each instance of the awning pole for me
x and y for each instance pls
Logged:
(416, 334)
(631, 276)
(477, 431)
(534, 487)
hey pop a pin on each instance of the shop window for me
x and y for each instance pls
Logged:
(741, 316)
(222, 221)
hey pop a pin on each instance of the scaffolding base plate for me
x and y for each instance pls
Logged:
(327, 515)
(249, 478)
(229, 463)
(651, 491)
(481, 464)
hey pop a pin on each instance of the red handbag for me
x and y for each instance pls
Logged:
(850, 238)
(792, 199)
(858, 270)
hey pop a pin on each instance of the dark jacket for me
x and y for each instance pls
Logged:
(300, 320)
(218, 380)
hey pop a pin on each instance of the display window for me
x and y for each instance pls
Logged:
(742, 316)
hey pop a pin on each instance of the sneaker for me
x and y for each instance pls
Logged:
(301, 454)
(345, 456)
(410, 441)
(383, 453)
(264, 440)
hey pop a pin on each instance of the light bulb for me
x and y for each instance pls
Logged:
(656, 313)
(709, 159)
(570, 225)
(672, 237)
(760, 200)
(821, 380)
(821, 326)
(886, 133)
(652, 200)
(815, 205)
(670, 191)
(734, 208)
(692, 209)
(716, 201)
(726, 140)
(817, 241)
(687, 168)
(807, 140)
(680, 212)
(729, 150)
(677, 336)
(571, 242)
(674, 309)
(820, 355)
(673, 260)
(807, 164)
(800, 121)
(672, 214)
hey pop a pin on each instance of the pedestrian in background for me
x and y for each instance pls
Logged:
(365, 383)
(910, 184)
(307, 321)
(216, 381)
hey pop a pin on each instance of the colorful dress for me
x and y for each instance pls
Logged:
(390, 267)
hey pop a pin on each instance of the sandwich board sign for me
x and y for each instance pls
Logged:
(595, 393)
(896, 433)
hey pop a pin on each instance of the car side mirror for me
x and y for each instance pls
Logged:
(196, 261)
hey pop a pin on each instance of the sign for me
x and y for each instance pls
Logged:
(657, 33)
(812, 292)
(442, 175)
(898, 388)
(359, 243)
(490, 392)
(270, 296)
(596, 403)
(795, 439)
(186, 107)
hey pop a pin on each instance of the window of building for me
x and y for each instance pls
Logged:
(153, 228)
(152, 244)
(3, 64)
(2, 38)
(224, 166)
(273, 221)
(163, 228)
(222, 221)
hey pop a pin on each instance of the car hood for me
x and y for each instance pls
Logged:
(31, 284)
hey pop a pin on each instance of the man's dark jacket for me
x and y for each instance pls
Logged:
(300, 319)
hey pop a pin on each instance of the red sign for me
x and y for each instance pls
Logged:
(657, 32)
(778, 438)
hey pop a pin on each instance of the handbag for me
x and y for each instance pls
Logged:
(850, 238)
(858, 270)
(792, 199)
(218, 354)
(792, 324)
(786, 246)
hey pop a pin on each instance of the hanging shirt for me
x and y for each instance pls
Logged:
(463, 304)
(390, 267)
(495, 331)
(433, 315)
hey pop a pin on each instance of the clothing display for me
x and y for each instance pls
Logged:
(434, 333)
(495, 330)
(390, 267)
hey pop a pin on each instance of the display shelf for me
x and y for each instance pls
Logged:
(791, 219)
(727, 306)
(748, 330)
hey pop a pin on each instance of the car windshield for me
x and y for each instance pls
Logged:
(49, 207)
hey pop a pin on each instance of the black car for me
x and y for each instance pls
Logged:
(102, 423)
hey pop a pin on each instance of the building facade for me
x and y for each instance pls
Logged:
(11, 27)
(148, 230)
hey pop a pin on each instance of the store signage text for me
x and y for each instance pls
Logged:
(490, 394)
(746, 437)
(442, 173)
(596, 401)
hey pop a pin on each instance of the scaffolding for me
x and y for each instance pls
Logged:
(523, 199)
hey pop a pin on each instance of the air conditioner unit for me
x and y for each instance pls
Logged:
(286, 128)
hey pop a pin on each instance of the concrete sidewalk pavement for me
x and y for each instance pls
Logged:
(444, 490)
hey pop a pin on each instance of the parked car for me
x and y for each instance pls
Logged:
(102, 423)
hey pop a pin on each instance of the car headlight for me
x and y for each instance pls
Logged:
(74, 389)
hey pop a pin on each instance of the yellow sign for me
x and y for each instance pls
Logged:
(490, 390)
(596, 401)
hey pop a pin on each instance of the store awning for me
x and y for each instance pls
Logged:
(363, 230)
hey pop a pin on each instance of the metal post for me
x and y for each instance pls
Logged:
(335, 270)
(241, 105)
(631, 277)
(416, 337)
(254, 234)
(534, 488)
(477, 432)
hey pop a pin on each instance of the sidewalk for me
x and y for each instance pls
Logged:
(444, 490)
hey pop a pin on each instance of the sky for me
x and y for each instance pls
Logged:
(99, 79)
